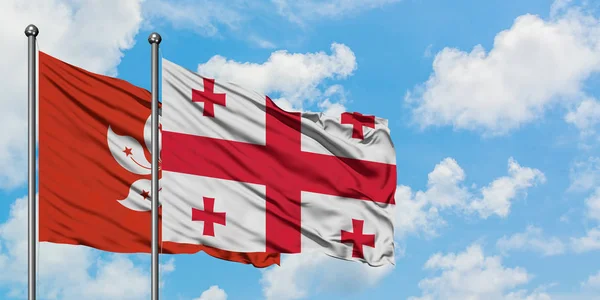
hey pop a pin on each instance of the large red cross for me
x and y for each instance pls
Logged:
(209, 216)
(283, 168)
(209, 97)
(357, 121)
(358, 238)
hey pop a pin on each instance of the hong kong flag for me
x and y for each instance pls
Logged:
(241, 174)
(94, 165)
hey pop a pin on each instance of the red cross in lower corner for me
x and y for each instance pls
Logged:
(358, 239)
(209, 216)
(209, 97)
(357, 121)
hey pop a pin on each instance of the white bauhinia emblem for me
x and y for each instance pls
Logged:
(128, 152)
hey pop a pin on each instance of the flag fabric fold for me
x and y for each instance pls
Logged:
(94, 165)
(241, 174)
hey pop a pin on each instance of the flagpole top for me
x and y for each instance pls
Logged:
(154, 38)
(32, 30)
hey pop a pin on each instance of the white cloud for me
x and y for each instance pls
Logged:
(296, 77)
(444, 185)
(585, 175)
(497, 196)
(261, 42)
(213, 293)
(301, 11)
(559, 6)
(90, 275)
(592, 204)
(533, 65)
(237, 17)
(167, 267)
(427, 53)
(70, 31)
(415, 214)
(304, 274)
(524, 295)
(201, 16)
(590, 242)
(331, 105)
(332, 109)
(585, 117)
(584, 181)
(420, 212)
(533, 240)
(335, 98)
(107, 282)
(472, 275)
(593, 282)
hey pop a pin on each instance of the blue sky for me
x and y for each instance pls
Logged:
(493, 108)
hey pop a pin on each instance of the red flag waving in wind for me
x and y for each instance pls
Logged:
(94, 165)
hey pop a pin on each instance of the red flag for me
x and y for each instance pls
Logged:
(94, 165)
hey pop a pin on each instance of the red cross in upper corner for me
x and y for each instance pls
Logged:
(357, 121)
(358, 239)
(209, 216)
(209, 97)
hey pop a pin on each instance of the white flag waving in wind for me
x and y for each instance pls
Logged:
(241, 174)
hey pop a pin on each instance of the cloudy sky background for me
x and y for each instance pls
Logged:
(493, 108)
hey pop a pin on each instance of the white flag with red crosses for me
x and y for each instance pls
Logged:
(241, 174)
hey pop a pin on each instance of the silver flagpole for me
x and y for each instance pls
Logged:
(154, 40)
(31, 32)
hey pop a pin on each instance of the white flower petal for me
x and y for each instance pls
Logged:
(135, 200)
(128, 152)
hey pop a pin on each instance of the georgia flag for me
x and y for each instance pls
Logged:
(241, 174)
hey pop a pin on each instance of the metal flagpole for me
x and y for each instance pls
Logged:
(31, 32)
(154, 40)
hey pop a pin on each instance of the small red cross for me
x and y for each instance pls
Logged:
(358, 239)
(357, 121)
(208, 216)
(209, 97)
